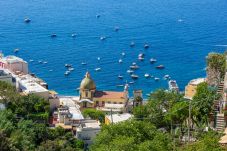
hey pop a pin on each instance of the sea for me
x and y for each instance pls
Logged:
(180, 34)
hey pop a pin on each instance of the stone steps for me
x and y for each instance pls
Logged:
(220, 122)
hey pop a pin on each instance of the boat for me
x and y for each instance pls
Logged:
(152, 60)
(97, 69)
(120, 60)
(146, 46)
(146, 75)
(132, 44)
(53, 35)
(45, 62)
(160, 67)
(31, 60)
(140, 58)
(130, 71)
(70, 69)
(116, 29)
(50, 70)
(83, 63)
(133, 63)
(98, 16)
(141, 55)
(134, 76)
(98, 58)
(67, 73)
(68, 65)
(16, 50)
(102, 38)
(173, 86)
(123, 54)
(134, 67)
(74, 35)
(40, 61)
(120, 76)
(166, 77)
(27, 20)
(156, 79)
(131, 82)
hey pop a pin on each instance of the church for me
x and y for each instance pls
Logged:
(90, 97)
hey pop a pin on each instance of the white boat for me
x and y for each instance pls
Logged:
(102, 38)
(27, 20)
(98, 58)
(16, 50)
(97, 69)
(50, 70)
(40, 61)
(31, 60)
(130, 71)
(83, 63)
(132, 44)
(173, 86)
(120, 60)
(134, 67)
(131, 82)
(134, 76)
(74, 35)
(68, 65)
(166, 77)
(156, 79)
(67, 73)
(146, 75)
(146, 46)
(152, 60)
(133, 63)
(45, 62)
(70, 69)
(160, 67)
(141, 55)
(140, 58)
(120, 76)
(123, 54)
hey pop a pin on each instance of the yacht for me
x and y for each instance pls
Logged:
(70, 69)
(156, 79)
(27, 20)
(67, 73)
(146, 46)
(166, 77)
(134, 76)
(132, 44)
(173, 86)
(68, 65)
(97, 69)
(160, 67)
(120, 60)
(102, 38)
(16, 50)
(152, 60)
(141, 55)
(146, 75)
(45, 62)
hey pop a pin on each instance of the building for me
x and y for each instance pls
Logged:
(6, 77)
(116, 118)
(88, 130)
(190, 89)
(90, 97)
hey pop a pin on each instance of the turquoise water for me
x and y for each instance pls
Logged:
(180, 34)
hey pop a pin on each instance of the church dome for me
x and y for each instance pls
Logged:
(87, 83)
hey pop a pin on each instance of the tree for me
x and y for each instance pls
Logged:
(7, 120)
(202, 103)
(94, 114)
(4, 142)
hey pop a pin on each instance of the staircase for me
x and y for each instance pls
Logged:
(220, 122)
(217, 104)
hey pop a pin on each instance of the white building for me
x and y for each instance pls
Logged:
(116, 118)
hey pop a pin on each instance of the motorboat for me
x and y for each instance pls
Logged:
(40, 61)
(131, 82)
(97, 69)
(152, 60)
(156, 79)
(83, 63)
(140, 58)
(160, 67)
(50, 70)
(16, 50)
(68, 65)
(133, 63)
(173, 86)
(134, 67)
(53, 35)
(31, 60)
(102, 38)
(130, 71)
(123, 54)
(98, 16)
(74, 35)
(146, 75)
(98, 58)
(146, 46)
(166, 77)
(134, 76)
(141, 55)
(70, 69)
(120, 60)
(67, 73)
(132, 44)
(27, 20)
(45, 62)
(120, 76)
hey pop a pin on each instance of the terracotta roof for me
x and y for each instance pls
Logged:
(109, 95)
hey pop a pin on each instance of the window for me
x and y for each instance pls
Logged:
(97, 103)
(86, 94)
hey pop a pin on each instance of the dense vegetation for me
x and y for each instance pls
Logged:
(23, 125)
(94, 114)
